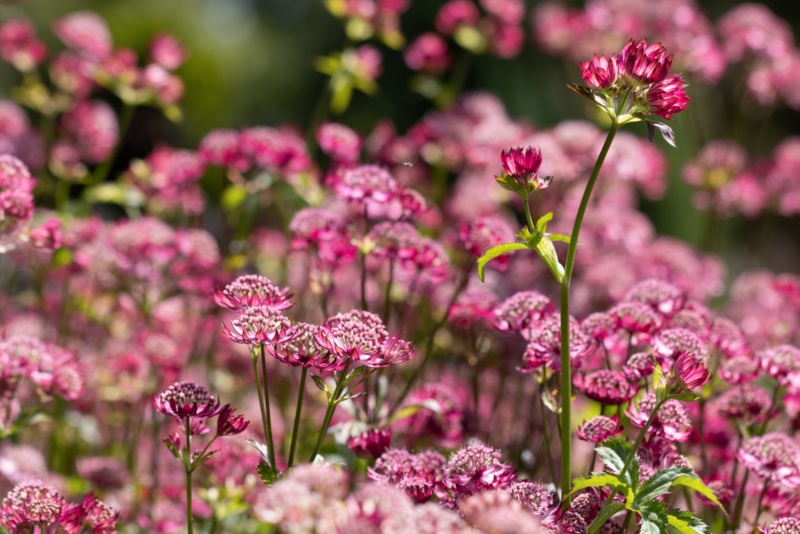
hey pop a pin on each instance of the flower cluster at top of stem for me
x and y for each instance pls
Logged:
(634, 83)
(521, 166)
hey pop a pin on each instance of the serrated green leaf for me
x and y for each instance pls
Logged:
(615, 452)
(695, 483)
(685, 522)
(654, 518)
(266, 473)
(599, 480)
(661, 482)
(494, 252)
(541, 222)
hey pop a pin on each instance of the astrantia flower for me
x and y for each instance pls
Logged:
(606, 386)
(417, 474)
(670, 343)
(521, 311)
(645, 63)
(600, 72)
(780, 361)
(544, 345)
(229, 424)
(260, 325)
(521, 166)
(371, 443)
(637, 318)
(639, 365)
(253, 290)
(747, 402)
(303, 349)
(356, 335)
(475, 468)
(668, 97)
(368, 183)
(599, 428)
(534, 496)
(186, 399)
(473, 305)
(739, 369)
(691, 370)
(773, 456)
(784, 525)
(496, 511)
(662, 296)
(31, 506)
(672, 421)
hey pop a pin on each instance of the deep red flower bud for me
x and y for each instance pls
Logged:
(521, 162)
(692, 371)
(370, 444)
(600, 72)
(229, 424)
(648, 64)
(668, 97)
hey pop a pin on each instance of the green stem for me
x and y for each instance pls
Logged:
(267, 411)
(327, 419)
(760, 503)
(364, 264)
(737, 513)
(595, 527)
(566, 374)
(296, 428)
(387, 297)
(264, 422)
(627, 522)
(546, 433)
(187, 465)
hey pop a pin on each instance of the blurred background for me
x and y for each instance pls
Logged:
(251, 63)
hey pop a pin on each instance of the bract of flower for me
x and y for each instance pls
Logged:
(773, 456)
(599, 428)
(229, 424)
(668, 97)
(260, 325)
(692, 371)
(251, 291)
(645, 63)
(186, 399)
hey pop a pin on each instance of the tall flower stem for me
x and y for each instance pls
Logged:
(566, 374)
(267, 411)
(187, 466)
(595, 527)
(761, 502)
(332, 402)
(298, 410)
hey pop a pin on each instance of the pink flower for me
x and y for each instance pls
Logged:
(645, 63)
(599, 428)
(521, 311)
(166, 51)
(260, 325)
(252, 291)
(521, 162)
(229, 424)
(19, 45)
(606, 386)
(341, 143)
(600, 72)
(672, 421)
(428, 53)
(31, 505)
(186, 399)
(668, 97)
(455, 14)
(692, 371)
(784, 525)
(86, 32)
(475, 468)
(48, 235)
(371, 443)
(773, 456)
(224, 147)
(94, 129)
(368, 183)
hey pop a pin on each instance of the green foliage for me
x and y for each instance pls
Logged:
(642, 501)
(266, 473)
(495, 252)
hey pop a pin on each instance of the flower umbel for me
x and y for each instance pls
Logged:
(521, 166)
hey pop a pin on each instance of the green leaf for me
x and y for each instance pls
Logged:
(605, 514)
(661, 482)
(174, 450)
(544, 247)
(654, 518)
(266, 473)
(686, 396)
(599, 480)
(615, 452)
(322, 385)
(408, 411)
(560, 237)
(694, 482)
(541, 222)
(496, 251)
(685, 522)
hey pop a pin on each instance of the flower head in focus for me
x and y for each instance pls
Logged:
(520, 170)
(186, 399)
(634, 84)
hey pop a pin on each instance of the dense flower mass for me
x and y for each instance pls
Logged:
(186, 399)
